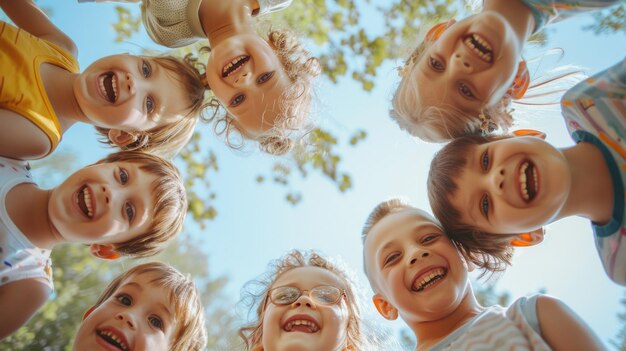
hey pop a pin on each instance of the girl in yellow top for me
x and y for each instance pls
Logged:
(149, 103)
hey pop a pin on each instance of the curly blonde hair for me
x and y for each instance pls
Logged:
(257, 296)
(301, 68)
(188, 311)
(167, 140)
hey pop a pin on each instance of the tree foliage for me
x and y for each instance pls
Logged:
(620, 340)
(612, 20)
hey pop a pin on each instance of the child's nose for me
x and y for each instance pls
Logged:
(105, 194)
(497, 180)
(461, 63)
(304, 300)
(126, 318)
(417, 255)
(243, 78)
(130, 84)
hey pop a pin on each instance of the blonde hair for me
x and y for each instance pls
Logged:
(190, 332)
(170, 203)
(252, 333)
(294, 108)
(381, 211)
(446, 122)
(167, 140)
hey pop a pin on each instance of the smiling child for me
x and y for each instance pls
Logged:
(417, 274)
(129, 203)
(305, 302)
(150, 307)
(462, 78)
(520, 184)
(148, 103)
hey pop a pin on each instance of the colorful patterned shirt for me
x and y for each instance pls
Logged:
(549, 11)
(595, 112)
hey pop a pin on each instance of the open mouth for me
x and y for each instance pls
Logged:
(529, 181)
(424, 281)
(108, 86)
(234, 65)
(84, 200)
(113, 339)
(301, 325)
(480, 46)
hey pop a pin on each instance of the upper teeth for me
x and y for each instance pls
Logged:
(232, 63)
(304, 322)
(113, 84)
(115, 338)
(87, 197)
(486, 56)
(428, 278)
(523, 180)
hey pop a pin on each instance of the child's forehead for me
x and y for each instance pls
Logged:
(307, 277)
(146, 280)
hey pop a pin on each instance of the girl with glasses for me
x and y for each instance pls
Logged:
(303, 302)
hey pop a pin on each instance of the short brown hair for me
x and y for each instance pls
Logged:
(252, 333)
(485, 250)
(301, 68)
(190, 330)
(170, 203)
(167, 140)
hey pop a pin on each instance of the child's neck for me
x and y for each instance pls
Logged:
(591, 194)
(517, 14)
(59, 85)
(27, 206)
(222, 19)
(430, 332)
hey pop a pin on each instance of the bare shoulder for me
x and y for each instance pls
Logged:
(20, 138)
(21, 300)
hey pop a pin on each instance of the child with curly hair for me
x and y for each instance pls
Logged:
(262, 84)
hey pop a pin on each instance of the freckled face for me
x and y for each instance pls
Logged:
(304, 324)
(512, 186)
(138, 316)
(248, 79)
(471, 65)
(105, 203)
(415, 267)
(130, 93)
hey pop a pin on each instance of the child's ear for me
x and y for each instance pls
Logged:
(530, 132)
(385, 308)
(88, 312)
(528, 239)
(121, 138)
(105, 251)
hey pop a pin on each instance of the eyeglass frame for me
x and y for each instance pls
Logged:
(342, 294)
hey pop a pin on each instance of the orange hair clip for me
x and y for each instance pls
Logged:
(435, 32)
(529, 132)
(521, 81)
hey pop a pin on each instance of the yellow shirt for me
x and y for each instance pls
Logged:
(21, 88)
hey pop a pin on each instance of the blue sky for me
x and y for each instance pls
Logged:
(255, 224)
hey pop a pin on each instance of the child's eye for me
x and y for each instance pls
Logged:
(484, 160)
(429, 238)
(465, 90)
(124, 299)
(130, 211)
(435, 64)
(484, 205)
(156, 322)
(149, 104)
(123, 176)
(392, 257)
(265, 77)
(146, 69)
(237, 100)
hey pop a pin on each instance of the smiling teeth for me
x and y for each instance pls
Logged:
(114, 337)
(429, 279)
(113, 85)
(471, 41)
(87, 199)
(312, 325)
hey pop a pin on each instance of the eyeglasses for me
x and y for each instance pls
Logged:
(321, 295)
